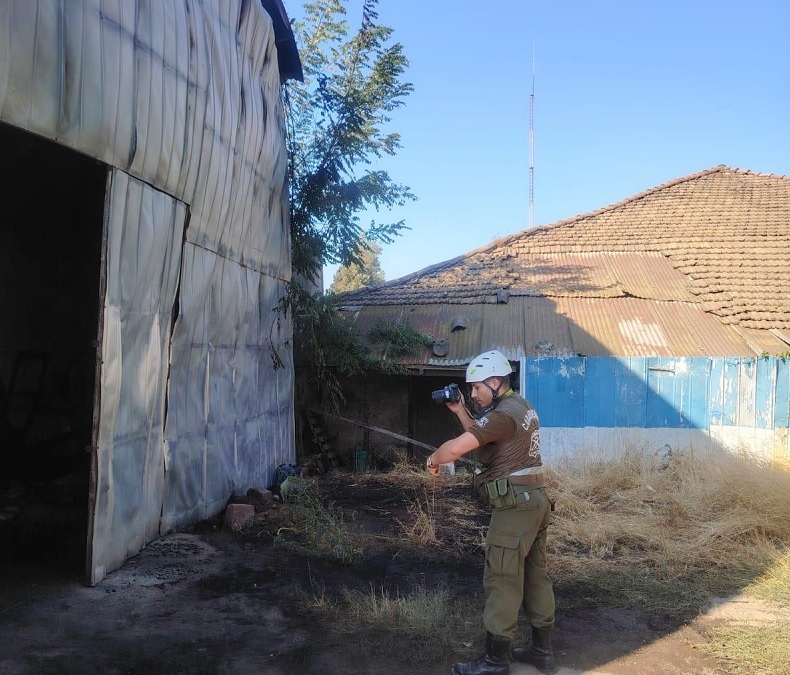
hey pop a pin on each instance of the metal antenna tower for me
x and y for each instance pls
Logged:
(532, 145)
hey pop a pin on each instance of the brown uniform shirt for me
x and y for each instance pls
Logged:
(509, 439)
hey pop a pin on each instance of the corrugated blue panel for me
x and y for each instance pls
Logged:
(729, 392)
(747, 386)
(662, 404)
(782, 403)
(599, 393)
(717, 387)
(531, 388)
(672, 393)
(630, 392)
(764, 392)
(575, 374)
(555, 386)
(695, 405)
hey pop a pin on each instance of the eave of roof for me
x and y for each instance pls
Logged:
(288, 60)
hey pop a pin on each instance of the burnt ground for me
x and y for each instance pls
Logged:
(212, 601)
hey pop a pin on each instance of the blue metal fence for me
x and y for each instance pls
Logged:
(659, 393)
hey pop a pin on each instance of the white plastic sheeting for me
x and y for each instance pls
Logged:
(184, 97)
(144, 234)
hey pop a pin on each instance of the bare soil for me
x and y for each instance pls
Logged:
(215, 602)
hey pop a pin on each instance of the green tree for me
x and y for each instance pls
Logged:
(335, 122)
(366, 272)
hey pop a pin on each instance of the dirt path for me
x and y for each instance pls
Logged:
(213, 603)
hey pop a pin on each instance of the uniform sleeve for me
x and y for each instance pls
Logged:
(493, 427)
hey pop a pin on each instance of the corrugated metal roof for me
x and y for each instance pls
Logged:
(527, 326)
(636, 327)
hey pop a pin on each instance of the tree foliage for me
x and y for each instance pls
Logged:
(366, 272)
(335, 124)
(333, 347)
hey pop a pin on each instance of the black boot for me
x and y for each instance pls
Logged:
(539, 653)
(496, 660)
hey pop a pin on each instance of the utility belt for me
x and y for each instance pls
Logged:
(500, 493)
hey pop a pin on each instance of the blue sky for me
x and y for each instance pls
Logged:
(628, 95)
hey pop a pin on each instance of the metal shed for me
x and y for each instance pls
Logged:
(145, 247)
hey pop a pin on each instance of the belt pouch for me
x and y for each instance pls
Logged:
(500, 494)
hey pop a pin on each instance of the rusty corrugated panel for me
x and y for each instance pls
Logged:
(546, 329)
(529, 326)
(636, 327)
(601, 275)
(647, 275)
(593, 332)
(783, 335)
(764, 341)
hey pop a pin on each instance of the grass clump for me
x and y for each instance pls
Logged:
(707, 524)
(318, 529)
(420, 627)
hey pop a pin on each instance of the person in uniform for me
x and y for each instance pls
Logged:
(506, 436)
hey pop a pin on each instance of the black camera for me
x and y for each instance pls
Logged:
(450, 394)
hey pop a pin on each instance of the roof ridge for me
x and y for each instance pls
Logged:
(628, 200)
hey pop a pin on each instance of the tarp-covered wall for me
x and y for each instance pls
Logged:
(183, 96)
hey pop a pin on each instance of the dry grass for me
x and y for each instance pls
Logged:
(661, 533)
(320, 529)
(749, 650)
(667, 530)
(671, 514)
(420, 526)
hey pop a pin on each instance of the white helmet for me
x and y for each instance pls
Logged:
(488, 364)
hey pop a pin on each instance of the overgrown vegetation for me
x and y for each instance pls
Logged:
(321, 530)
(336, 123)
(419, 627)
(663, 535)
(392, 341)
(327, 347)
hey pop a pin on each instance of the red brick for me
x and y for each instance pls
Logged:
(237, 515)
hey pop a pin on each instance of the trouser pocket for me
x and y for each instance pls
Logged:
(502, 553)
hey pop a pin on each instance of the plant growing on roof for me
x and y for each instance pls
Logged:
(395, 340)
(329, 347)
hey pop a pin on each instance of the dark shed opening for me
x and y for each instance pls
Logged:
(51, 223)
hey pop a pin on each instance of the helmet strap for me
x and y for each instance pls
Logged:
(494, 392)
(495, 399)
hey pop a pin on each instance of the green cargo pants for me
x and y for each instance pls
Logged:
(515, 566)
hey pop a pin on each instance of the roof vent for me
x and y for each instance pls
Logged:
(502, 297)
(459, 323)
(440, 347)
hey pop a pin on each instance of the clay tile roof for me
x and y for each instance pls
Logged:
(719, 238)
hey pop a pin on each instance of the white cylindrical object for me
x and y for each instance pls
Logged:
(447, 469)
